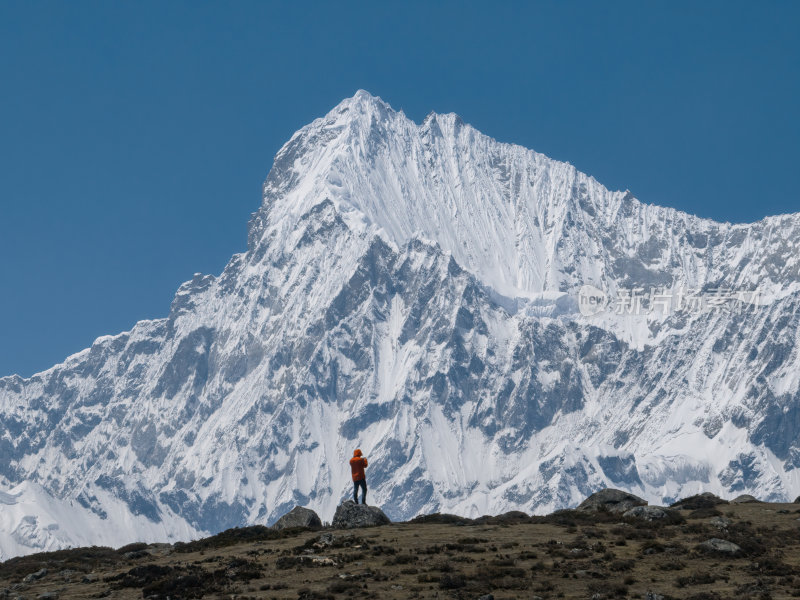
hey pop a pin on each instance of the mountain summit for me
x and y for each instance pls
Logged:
(421, 292)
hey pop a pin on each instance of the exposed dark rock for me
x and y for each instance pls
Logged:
(611, 500)
(299, 517)
(349, 515)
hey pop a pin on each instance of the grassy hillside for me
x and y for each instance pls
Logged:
(569, 554)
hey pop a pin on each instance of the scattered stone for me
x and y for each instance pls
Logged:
(289, 562)
(745, 499)
(48, 596)
(89, 578)
(611, 500)
(653, 596)
(648, 513)
(299, 517)
(323, 541)
(720, 546)
(136, 554)
(35, 576)
(349, 515)
(486, 597)
(719, 522)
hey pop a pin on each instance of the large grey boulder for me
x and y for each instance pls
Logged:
(719, 546)
(611, 500)
(349, 515)
(35, 576)
(299, 517)
(649, 513)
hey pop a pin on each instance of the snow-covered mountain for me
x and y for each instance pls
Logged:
(414, 290)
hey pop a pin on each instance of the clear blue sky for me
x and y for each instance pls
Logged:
(134, 137)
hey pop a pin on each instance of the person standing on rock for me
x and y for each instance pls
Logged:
(357, 464)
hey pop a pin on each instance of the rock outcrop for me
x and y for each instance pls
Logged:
(299, 517)
(718, 546)
(650, 513)
(350, 515)
(611, 500)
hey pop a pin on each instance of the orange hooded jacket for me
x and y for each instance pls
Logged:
(357, 465)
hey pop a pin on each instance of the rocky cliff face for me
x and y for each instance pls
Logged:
(414, 290)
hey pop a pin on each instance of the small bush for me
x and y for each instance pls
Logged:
(698, 579)
(452, 581)
(621, 565)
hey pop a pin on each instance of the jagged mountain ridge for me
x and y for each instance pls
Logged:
(411, 289)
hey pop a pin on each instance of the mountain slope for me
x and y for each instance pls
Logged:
(413, 290)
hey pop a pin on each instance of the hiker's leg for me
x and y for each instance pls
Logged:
(360, 484)
(355, 492)
(364, 491)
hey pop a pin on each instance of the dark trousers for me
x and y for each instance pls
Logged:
(361, 483)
